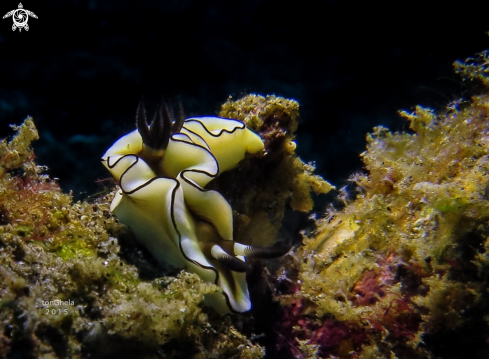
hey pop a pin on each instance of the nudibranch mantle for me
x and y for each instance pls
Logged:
(163, 199)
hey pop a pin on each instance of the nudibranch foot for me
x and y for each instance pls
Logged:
(162, 170)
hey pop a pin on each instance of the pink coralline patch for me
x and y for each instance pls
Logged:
(399, 319)
(373, 284)
(369, 289)
(396, 316)
(333, 337)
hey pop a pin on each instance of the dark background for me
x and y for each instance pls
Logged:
(82, 67)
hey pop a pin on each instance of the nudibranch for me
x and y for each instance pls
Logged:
(162, 170)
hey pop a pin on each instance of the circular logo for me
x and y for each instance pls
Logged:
(20, 17)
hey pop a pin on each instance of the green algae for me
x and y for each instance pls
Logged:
(75, 249)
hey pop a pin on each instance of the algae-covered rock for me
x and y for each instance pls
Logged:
(403, 267)
(261, 189)
(67, 292)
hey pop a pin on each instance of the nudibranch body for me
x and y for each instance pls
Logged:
(162, 171)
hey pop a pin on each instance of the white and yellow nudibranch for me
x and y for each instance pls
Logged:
(162, 171)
